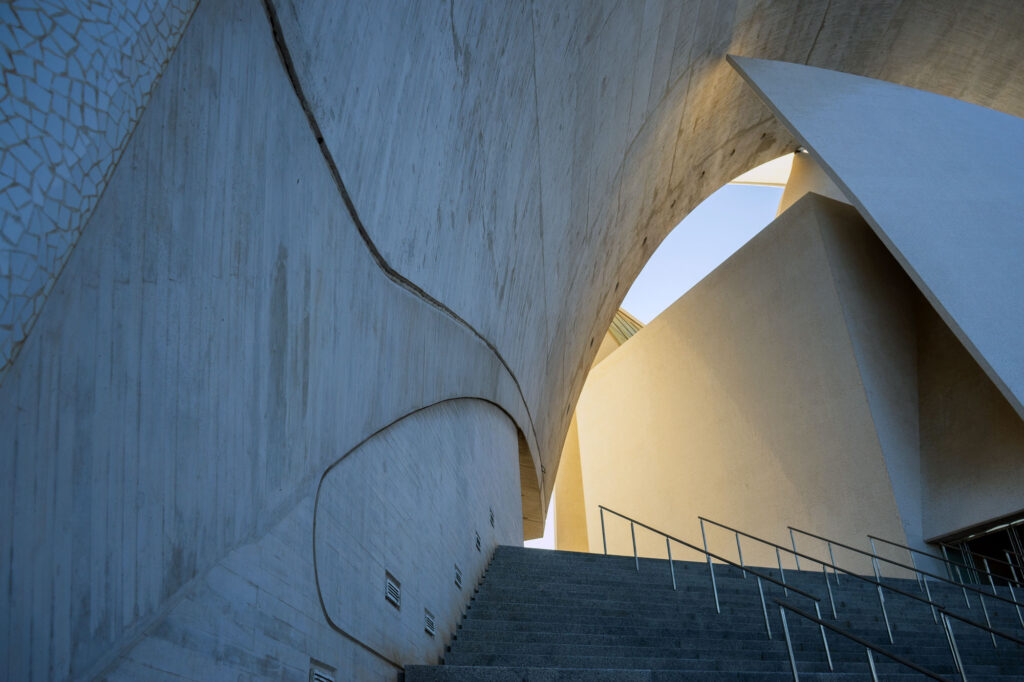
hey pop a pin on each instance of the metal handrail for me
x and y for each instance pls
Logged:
(908, 568)
(709, 555)
(947, 560)
(783, 607)
(989, 630)
(879, 586)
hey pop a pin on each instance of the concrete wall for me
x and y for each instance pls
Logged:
(204, 357)
(259, 612)
(570, 499)
(228, 324)
(743, 402)
(972, 441)
(411, 501)
(520, 163)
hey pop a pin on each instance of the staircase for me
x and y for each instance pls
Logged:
(542, 615)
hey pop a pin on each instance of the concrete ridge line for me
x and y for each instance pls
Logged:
(394, 275)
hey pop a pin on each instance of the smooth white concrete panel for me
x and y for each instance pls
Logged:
(218, 337)
(807, 176)
(742, 402)
(940, 182)
(972, 441)
(879, 303)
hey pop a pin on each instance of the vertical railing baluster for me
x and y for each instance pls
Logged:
(954, 649)
(828, 585)
(928, 593)
(1016, 605)
(781, 572)
(789, 644)
(792, 541)
(636, 559)
(990, 580)
(885, 614)
(824, 640)
(835, 571)
(871, 665)
(984, 610)
(604, 542)
(962, 588)
(671, 566)
(740, 552)
(764, 608)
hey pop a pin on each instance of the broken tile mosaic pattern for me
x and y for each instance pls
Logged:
(76, 76)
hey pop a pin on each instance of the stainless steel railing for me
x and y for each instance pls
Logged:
(868, 646)
(669, 539)
(951, 564)
(940, 614)
(925, 575)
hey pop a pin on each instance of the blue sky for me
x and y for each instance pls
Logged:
(712, 232)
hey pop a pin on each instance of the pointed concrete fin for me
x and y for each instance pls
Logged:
(938, 179)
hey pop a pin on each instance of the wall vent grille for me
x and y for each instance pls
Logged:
(458, 577)
(393, 590)
(429, 626)
(319, 672)
(478, 542)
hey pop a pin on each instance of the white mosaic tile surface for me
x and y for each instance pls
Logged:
(76, 77)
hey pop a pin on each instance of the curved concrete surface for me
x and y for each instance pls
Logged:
(234, 314)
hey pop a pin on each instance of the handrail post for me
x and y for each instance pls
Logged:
(948, 564)
(988, 622)
(796, 556)
(1016, 605)
(962, 588)
(764, 608)
(671, 566)
(917, 571)
(828, 585)
(835, 571)
(990, 580)
(711, 568)
(789, 644)
(740, 552)
(604, 542)
(636, 559)
(824, 640)
(1013, 571)
(931, 604)
(885, 614)
(781, 572)
(714, 586)
(871, 665)
(954, 650)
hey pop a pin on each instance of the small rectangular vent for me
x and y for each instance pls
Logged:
(317, 675)
(492, 517)
(393, 590)
(318, 672)
(458, 577)
(429, 626)
(478, 542)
